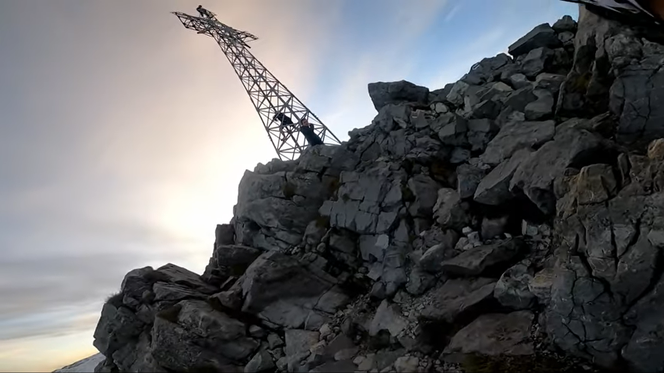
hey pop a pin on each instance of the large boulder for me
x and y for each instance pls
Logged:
(493, 335)
(494, 189)
(517, 135)
(459, 299)
(486, 70)
(512, 288)
(450, 211)
(571, 147)
(282, 290)
(477, 260)
(585, 92)
(425, 190)
(565, 24)
(541, 36)
(536, 61)
(229, 260)
(204, 338)
(469, 178)
(383, 93)
(387, 318)
(115, 327)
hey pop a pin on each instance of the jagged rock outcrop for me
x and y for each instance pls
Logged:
(513, 211)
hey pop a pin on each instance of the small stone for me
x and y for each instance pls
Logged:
(528, 229)
(277, 353)
(346, 354)
(358, 360)
(463, 241)
(274, 341)
(282, 364)
(656, 150)
(325, 330)
(519, 81)
(474, 237)
(467, 230)
(440, 108)
(257, 332)
(367, 363)
(261, 362)
(406, 364)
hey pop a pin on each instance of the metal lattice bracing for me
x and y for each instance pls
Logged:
(268, 95)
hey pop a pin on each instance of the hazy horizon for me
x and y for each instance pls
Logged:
(124, 136)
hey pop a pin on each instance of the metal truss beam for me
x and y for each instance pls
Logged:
(268, 95)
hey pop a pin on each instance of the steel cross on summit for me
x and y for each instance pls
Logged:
(289, 123)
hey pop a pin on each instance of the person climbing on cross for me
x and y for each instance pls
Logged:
(204, 12)
(305, 127)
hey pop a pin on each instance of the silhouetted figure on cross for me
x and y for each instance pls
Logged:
(305, 127)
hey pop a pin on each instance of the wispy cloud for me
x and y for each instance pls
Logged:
(452, 12)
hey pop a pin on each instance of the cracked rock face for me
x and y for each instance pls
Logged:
(611, 271)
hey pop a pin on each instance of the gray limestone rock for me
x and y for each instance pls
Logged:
(229, 260)
(535, 175)
(486, 70)
(486, 109)
(457, 93)
(459, 298)
(261, 362)
(407, 364)
(565, 24)
(450, 211)
(493, 335)
(512, 288)
(495, 227)
(537, 61)
(566, 38)
(595, 184)
(480, 132)
(549, 82)
(115, 326)
(517, 135)
(518, 99)
(541, 36)
(459, 155)
(542, 108)
(388, 317)
(494, 189)
(281, 289)
(637, 98)
(475, 261)
(519, 81)
(299, 341)
(468, 179)
(342, 366)
(384, 93)
(425, 190)
(432, 259)
(454, 133)
(440, 95)
(419, 281)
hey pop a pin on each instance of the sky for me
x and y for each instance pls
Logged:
(123, 136)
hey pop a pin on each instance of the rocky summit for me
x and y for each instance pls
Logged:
(511, 221)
